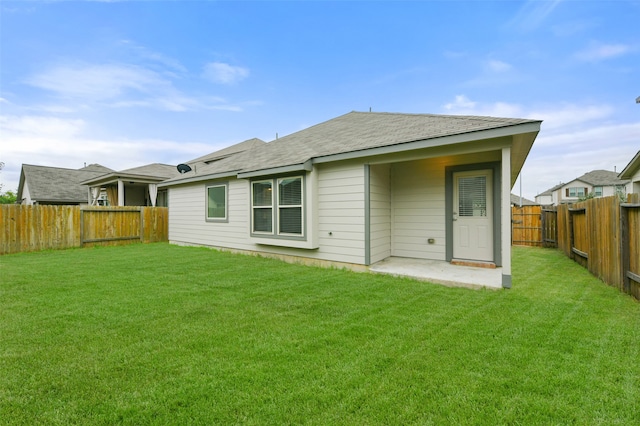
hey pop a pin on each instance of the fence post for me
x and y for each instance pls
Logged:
(571, 236)
(81, 227)
(624, 247)
(142, 224)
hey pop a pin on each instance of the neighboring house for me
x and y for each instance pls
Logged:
(598, 183)
(517, 200)
(549, 197)
(632, 173)
(55, 185)
(133, 187)
(360, 188)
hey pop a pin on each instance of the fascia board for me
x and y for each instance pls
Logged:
(122, 176)
(200, 178)
(307, 166)
(631, 168)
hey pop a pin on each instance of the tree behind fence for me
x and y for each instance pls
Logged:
(41, 227)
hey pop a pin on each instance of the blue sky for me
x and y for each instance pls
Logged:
(125, 83)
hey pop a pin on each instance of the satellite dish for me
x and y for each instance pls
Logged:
(183, 168)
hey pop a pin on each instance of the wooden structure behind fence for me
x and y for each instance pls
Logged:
(526, 226)
(41, 227)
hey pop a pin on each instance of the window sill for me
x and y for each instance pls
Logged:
(284, 242)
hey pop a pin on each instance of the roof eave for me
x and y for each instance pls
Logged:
(631, 168)
(200, 178)
(114, 177)
(531, 127)
(307, 166)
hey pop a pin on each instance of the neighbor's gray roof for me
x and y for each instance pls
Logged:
(602, 178)
(151, 172)
(155, 169)
(55, 184)
(593, 178)
(550, 190)
(516, 199)
(349, 133)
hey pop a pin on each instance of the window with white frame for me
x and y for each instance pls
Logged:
(277, 207)
(597, 191)
(262, 206)
(216, 202)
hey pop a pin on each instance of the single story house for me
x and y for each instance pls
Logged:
(632, 173)
(599, 183)
(132, 187)
(361, 188)
(56, 185)
(519, 201)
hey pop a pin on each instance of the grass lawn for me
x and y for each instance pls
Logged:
(161, 334)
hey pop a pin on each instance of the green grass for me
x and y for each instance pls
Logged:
(160, 334)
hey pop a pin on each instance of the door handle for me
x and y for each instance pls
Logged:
(455, 216)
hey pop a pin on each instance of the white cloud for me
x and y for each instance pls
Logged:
(36, 126)
(56, 142)
(151, 56)
(566, 155)
(567, 116)
(461, 102)
(126, 86)
(598, 52)
(532, 14)
(98, 82)
(574, 139)
(220, 72)
(464, 106)
(498, 66)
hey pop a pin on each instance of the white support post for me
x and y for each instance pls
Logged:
(120, 193)
(505, 206)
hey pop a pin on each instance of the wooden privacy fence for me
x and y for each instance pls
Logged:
(32, 228)
(603, 235)
(526, 225)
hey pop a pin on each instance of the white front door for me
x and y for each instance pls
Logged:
(473, 215)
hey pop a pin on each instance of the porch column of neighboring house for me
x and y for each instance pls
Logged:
(94, 193)
(153, 193)
(505, 222)
(120, 192)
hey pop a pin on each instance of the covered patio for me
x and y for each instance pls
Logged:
(440, 272)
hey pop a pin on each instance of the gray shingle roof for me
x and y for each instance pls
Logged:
(550, 190)
(358, 131)
(352, 132)
(152, 170)
(231, 150)
(515, 200)
(602, 178)
(58, 185)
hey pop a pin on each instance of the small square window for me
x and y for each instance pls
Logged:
(217, 202)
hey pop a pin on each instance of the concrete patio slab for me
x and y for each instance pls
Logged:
(440, 272)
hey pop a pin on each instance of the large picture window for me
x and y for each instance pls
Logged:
(277, 207)
(217, 202)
